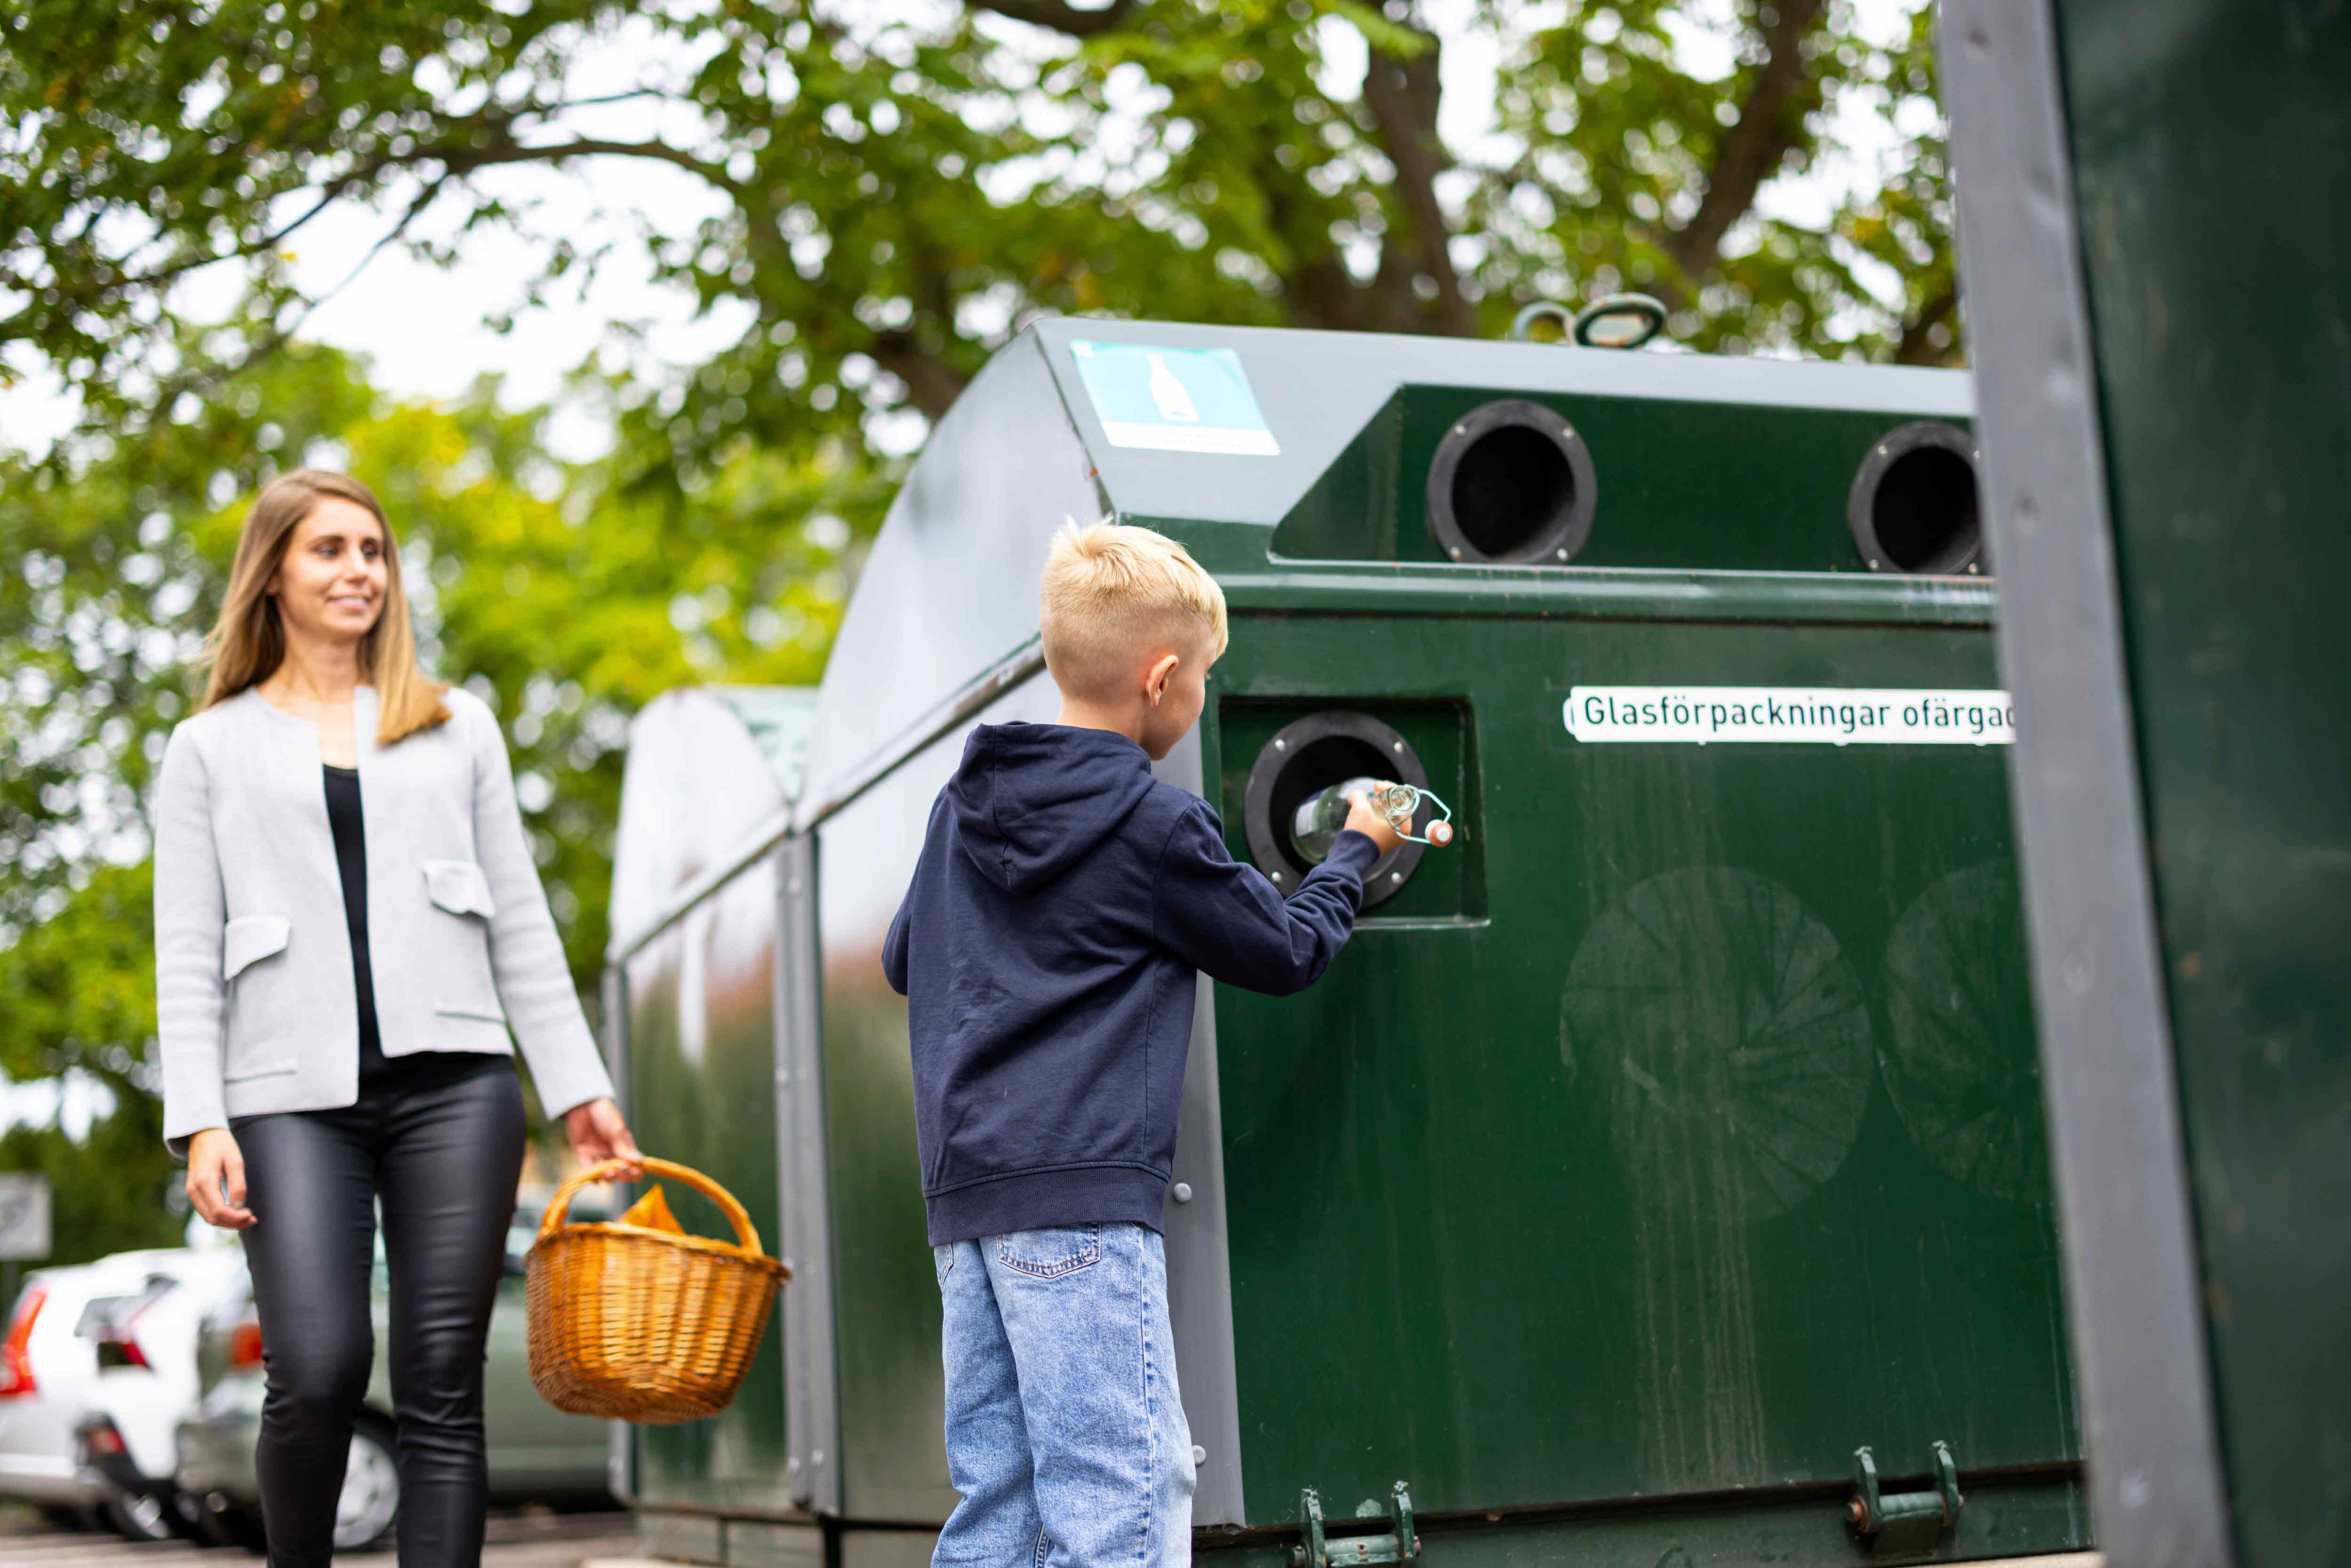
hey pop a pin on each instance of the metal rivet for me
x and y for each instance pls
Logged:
(1456, 552)
(1395, 877)
(1182, 1192)
(1563, 555)
(1279, 743)
(1398, 746)
(1200, 1455)
(1276, 876)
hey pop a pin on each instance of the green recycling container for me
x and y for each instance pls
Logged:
(1659, 1173)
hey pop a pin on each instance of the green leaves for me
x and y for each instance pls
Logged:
(897, 195)
(1638, 171)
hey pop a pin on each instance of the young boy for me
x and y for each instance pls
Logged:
(1064, 901)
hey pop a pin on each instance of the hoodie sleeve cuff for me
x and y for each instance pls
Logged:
(1352, 851)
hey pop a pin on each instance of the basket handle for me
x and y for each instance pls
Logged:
(559, 1205)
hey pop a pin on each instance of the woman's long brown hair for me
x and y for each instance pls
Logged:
(248, 642)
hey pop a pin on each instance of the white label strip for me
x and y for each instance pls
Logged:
(1833, 715)
(1219, 439)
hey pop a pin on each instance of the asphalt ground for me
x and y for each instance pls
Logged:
(516, 1537)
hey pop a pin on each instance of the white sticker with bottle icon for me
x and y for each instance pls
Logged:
(1173, 400)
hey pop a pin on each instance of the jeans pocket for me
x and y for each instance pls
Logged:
(1050, 1253)
(943, 1261)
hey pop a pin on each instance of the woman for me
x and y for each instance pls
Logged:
(347, 924)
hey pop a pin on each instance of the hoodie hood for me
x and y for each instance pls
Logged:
(1031, 799)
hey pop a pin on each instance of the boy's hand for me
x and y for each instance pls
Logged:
(1367, 819)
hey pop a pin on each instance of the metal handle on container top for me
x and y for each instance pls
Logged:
(559, 1205)
(1592, 327)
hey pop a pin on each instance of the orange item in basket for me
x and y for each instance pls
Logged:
(651, 1212)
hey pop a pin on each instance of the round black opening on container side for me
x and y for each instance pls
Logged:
(1511, 483)
(1315, 753)
(1914, 507)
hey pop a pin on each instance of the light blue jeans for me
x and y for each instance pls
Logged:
(1064, 1432)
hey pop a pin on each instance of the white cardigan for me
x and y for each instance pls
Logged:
(253, 997)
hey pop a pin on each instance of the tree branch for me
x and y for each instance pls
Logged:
(455, 159)
(1403, 96)
(465, 160)
(930, 380)
(1746, 153)
(1062, 17)
(929, 383)
(1916, 345)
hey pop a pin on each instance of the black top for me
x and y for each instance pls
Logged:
(343, 816)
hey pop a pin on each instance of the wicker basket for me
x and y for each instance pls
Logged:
(643, 1325)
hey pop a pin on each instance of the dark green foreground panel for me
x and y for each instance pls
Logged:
(2156, 193)
(2216, 156)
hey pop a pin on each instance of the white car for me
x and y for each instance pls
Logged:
(147, 1380)
(49, 1370)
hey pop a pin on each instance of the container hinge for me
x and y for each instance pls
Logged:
(1903, 1521)
(1400, 1543)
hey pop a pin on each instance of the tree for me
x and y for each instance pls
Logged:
(900, 193)
(898, 196)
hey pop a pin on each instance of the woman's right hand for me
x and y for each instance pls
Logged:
(214, 1161)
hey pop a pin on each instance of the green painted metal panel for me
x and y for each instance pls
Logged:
(1676, 1131)
(1772, 476)
(2212, 149)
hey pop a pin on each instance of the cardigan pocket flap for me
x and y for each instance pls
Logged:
(249, 937)
(459, 887)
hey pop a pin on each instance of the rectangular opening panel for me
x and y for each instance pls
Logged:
(1436, 736)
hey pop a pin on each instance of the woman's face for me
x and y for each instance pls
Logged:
(330, 583)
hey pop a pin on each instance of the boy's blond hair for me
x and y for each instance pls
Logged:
(1112, 593)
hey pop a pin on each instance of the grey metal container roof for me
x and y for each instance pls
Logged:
(710, 769)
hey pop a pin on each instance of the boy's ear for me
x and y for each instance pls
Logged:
(1155, 679)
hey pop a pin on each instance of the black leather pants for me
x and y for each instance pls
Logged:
(444, 1155)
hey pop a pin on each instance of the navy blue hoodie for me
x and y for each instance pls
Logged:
(1048, 948)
